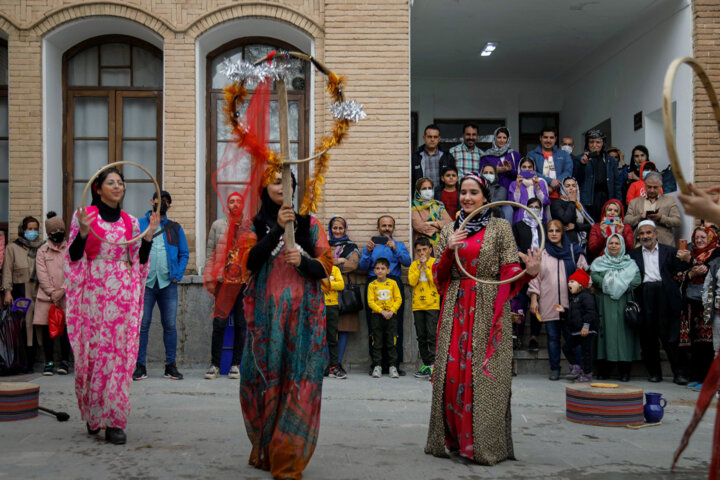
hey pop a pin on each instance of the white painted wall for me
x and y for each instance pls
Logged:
(449, 98)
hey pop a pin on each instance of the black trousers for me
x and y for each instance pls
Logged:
(586, 347)
(218, 334)
(426, 328)
(399, 329)
(659, 328)
(383, 337)
(332, 318)
(50, 343)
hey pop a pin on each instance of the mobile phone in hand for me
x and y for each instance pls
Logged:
(682, 244)
(380, 240)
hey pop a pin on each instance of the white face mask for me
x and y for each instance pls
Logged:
(537, 212)
(490, 177)
(426, 194)
(567, 148)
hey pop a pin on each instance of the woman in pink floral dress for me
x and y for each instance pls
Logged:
(105, 287)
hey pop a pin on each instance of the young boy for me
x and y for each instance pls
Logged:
(384, 300)
(448, 194)
(331, 286)
(582, 322)
(426, 304)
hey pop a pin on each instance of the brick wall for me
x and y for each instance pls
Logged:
(706, 40)
(367, 42)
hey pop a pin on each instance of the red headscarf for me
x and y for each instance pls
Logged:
(609, 229)
(701, 255)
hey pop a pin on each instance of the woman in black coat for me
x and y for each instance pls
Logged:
(570, 212)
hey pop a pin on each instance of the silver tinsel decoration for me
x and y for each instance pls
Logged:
(239, 71)
(350, 110)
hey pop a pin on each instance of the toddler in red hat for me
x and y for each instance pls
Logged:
(582, 323)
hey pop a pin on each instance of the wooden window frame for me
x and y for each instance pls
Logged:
(115, 96)
(4, 226)
(211, 97)
(525, 139)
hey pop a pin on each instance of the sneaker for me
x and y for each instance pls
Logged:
(533, 346)
(63, 368)
(140, 372)
(401, 372)
(340, 372)
(172, 373)
(692, 385)
(49, 370)
(423, 372)
(584, 378)
(394, 372)
(575, 372)
(212, 372)
(332, 373)
(234, 372)
(554, 375)
(697, 388)
(377, 371)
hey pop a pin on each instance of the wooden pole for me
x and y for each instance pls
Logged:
(285, 155)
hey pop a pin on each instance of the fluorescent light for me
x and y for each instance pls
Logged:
(489, 49)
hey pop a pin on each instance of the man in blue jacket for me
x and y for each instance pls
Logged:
(552, 164)
(168, 260)
(597, 175)
(397, 254)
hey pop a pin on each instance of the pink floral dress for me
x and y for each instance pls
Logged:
(103, 314)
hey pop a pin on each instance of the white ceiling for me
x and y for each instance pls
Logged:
(537, 39)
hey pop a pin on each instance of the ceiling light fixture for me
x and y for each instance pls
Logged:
(489, 49)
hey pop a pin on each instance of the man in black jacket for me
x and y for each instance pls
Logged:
(429, 160)
(660, 301)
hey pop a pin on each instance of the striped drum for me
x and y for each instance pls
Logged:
(608, 407)
(18, 400)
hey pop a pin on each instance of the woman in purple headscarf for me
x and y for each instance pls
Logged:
(502, 157)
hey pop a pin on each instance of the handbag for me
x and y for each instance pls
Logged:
(694, 291)
(350, 299)
(56, 321)
(633, 319)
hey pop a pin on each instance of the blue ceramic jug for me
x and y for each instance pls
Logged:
(653, 410)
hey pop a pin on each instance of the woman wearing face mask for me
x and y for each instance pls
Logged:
(104, 289)
(637, 189)
(615, 275)
(638, 156)
(497, 192)
(527, 235)
(51, 291)
(19, 277)
(526, 186)
(560, 259)
(428, 215)
(502, 157)
(570, 211)
(611, 222)
(286, 355)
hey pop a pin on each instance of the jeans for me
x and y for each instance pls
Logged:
(218, 334)
(554, 329)
(167, 300)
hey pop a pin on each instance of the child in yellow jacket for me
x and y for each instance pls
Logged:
(426, 304)
(384, 300)
(331, 286)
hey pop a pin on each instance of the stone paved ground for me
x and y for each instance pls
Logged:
(370, 429)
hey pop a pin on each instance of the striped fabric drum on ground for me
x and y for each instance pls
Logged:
(18, 400)
(609, 407)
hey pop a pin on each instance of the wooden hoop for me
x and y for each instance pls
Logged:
(157, 208)
(485, 207)
(667, 117)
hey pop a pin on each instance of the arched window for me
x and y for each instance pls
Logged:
(112, 88)
(218, 134)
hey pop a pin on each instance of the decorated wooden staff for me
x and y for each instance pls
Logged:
(711, 384)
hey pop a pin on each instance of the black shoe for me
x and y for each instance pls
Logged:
(625, 377)
(533, 346)
(90, 430)
(554, 375)
(326, 373)
(172, 373)
(49, 369)
(654, 378)
(370, 372)
(680, 380)
(63, 368)
(140, 372)
(401, 372)
(116, 436)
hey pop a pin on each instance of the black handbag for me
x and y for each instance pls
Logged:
(350, 299)
(633, 318)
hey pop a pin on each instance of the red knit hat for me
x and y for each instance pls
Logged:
(581, 277)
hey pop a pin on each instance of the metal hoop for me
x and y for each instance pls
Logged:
(485, 207)
(667, 118)
(157, 208)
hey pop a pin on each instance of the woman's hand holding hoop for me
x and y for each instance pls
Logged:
(85, 221)
(457, 237)
(285, 214)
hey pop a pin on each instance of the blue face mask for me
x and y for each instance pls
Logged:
(646, 173)
(31, 235)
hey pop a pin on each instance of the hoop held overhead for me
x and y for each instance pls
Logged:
(667, 117)
(157, 207)
(485, 207)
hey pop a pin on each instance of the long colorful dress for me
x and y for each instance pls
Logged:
(103, 313)
(284, 361)
(470, 411)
